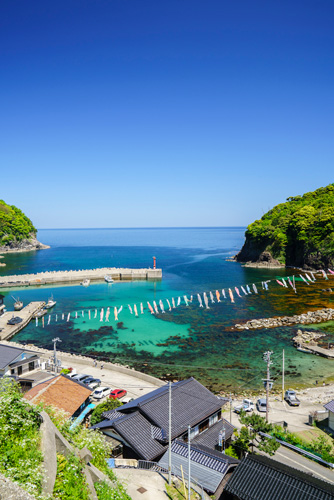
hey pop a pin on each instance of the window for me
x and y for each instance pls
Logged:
(19, 370)
(31, 366)
(12, 371)
(213, 419)
(203, 426)
(194, 432)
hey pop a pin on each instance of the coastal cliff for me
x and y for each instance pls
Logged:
(299, 232)
(17, 233)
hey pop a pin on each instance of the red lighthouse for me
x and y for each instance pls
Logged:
(154, 263)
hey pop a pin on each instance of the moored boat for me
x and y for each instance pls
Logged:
(50, 303)
(18, 304)
(108, 278)
(85, 282)
(40, 313)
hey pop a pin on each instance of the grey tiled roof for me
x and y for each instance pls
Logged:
(210, 437)
(330, 406)
(143, 423)
(9, 354)
(191, 403)
(206, 469)
(259, 477)
(137, 431)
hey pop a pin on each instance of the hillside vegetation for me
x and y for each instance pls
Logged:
(298, 233)
(14, 225)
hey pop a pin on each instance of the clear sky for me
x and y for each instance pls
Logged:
(141, 113)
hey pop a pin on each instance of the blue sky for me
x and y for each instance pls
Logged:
(128, 113)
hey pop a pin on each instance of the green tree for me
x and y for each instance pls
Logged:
(108, 405)
(249, 436)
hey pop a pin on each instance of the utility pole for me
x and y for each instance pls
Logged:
(57, 339)
(230, 408)
(266, 358)
(170, 435)
(189, 481)
(283, 377)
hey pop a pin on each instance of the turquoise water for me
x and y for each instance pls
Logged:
(187, 340)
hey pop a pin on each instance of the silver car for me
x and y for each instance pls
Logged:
(101, 392)
(261, 405)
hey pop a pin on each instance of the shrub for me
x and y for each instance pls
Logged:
(70, 482)
(108, 405)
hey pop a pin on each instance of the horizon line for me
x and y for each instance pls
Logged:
(141, 227)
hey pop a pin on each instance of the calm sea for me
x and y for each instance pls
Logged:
(188, 340)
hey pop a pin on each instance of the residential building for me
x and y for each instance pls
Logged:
(259, 477)
(62, 392)
(142, 425)
(15, 361)
(330, 407)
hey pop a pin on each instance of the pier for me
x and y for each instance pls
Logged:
(74, 277)
(27, 313)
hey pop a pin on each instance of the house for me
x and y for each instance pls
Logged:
(62, 392)
(208, 468)
(15, 361)
(2, 305)
(259, 477)
(142, 425)
(330, 407)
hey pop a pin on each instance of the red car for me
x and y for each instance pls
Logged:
(118, 394)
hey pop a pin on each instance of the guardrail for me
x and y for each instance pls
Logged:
(299, 450)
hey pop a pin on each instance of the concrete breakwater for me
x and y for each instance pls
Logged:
(53, 277)
(319, 316)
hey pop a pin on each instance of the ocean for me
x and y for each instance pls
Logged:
(188, 340)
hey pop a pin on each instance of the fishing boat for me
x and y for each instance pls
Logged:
(85, 282)
(40, 313)
(18, 304)
(50, 303)
(108, 278)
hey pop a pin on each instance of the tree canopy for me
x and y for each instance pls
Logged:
(15, 226)
(297, 231)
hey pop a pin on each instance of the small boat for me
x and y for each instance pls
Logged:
(108, 278)
(40, 313)
(50, 303)
(85, 282)
(302, 349)
(18, 304)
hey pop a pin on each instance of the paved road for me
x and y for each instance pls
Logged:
(289, 457)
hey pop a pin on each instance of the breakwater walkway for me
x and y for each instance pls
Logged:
(54, 277)
(26, 314)
(319, 316)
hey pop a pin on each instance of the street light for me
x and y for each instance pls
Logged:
(55, 340)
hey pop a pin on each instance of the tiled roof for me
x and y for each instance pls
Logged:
(144, 422)
(112, 414)
(137, 431)
(60, 391)
(259, 477)
(210, 437)
(8, 354)
(191, 403)
(206, 469)
(330, 406)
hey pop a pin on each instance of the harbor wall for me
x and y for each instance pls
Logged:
(55, 277)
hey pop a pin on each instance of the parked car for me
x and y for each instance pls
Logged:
(118, 394)
(127, 400)
(96, 382)
(88, 380)
(261, 404)
(101, 392)
(80, 377)
(246, 405)
(291, 398)
(15, 320)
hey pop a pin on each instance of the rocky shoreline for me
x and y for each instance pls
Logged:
(319, 316)
(26, 245)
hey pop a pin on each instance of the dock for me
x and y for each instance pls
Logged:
(27, 313)
(320, 351)
(74, 277)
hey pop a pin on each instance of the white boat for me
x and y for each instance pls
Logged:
(50, 303)
(108, 278)
(18, 304)
(85, 282)
(40, 313)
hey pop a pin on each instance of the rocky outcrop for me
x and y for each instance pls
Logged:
(319, 316)
(25, 245)
(252, 258)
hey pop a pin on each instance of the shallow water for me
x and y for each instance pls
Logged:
(188, 340)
